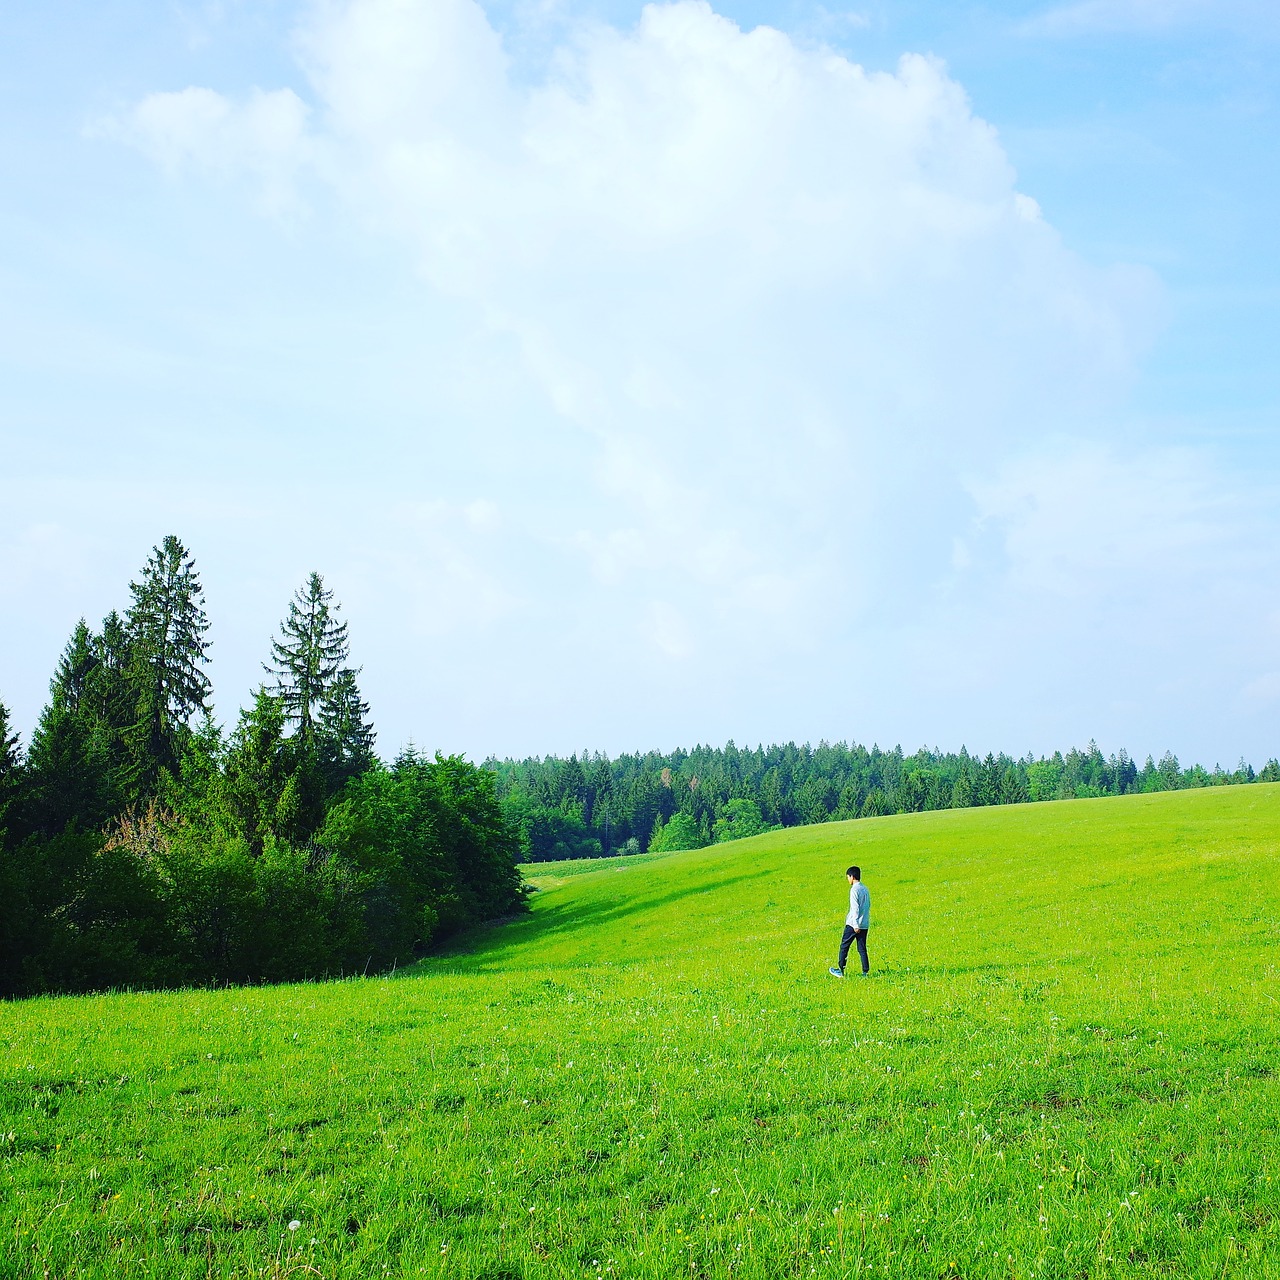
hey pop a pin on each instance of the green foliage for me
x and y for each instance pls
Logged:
(280, 914)
(308, 656)
(82, 913)
(739, 819)
(1043, 778)
(1055, 1070)
(875, 805)
(256, 771)
(680, 833)
(346, 735)
(630, 797)
(317, 694)
(165, 628)
(549, 833)
(68, 775)
(432, 851)
(141, 847)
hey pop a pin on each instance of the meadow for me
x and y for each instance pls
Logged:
(1064, 1065)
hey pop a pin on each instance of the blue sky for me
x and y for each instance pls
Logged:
(761, 371)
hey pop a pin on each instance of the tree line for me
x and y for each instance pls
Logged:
(594, 805)
(142, 845)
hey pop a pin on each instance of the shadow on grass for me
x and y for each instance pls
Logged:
(470, 950)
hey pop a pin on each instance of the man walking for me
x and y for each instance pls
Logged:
(856, 923)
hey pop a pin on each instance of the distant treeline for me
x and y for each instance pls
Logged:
(579, 808)
(142, 846)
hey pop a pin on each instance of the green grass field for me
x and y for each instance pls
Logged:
(1065, 1064)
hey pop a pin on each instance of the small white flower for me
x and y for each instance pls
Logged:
(294, 1225)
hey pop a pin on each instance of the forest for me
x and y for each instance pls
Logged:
(143, 846)
(589, 806)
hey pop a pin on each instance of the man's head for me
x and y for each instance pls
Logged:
(854, 873)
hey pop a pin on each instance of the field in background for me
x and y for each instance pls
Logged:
(1064, 1065)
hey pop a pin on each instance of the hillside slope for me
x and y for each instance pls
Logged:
(1064, 1064)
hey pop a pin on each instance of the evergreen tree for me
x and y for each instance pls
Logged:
(69, 689)
(599, 810)
(165, 628)
(14, 911)
(68, 774)
(257, 772)
(309, 655)
(1170, 771)
(1012, 788)
(10, 760)
(111, 696)
(345, 732)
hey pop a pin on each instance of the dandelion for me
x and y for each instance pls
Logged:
(294, 1225)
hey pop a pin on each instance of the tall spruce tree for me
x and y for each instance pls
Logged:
(346, 736)
(165, 628)
(68, 778)
(308, 657)
(111, 693)
(10, 759)
(256, 770)
(73, 676)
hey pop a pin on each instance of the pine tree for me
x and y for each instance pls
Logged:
(345, 733)
(68, 774)
(10, 759)
(257, 770)
(308, 657)
(111, 693)
(69, 688)
(165, 627)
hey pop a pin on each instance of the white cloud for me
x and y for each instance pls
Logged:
(764, 282)
(1079, 518)
(263, 136)
(797, 340)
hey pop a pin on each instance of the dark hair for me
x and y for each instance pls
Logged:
(855, 872)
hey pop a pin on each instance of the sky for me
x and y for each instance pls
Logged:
(647, 376)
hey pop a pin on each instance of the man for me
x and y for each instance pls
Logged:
(856, 923)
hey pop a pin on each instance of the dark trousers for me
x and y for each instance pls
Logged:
(850, 933)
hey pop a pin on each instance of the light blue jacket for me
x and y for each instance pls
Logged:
(859, 906)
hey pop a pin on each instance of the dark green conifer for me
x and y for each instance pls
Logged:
(308, 657)
(112, 695)
(346, 735)
(257, 770)
(68, 774)
(10, 760)
(165, 628)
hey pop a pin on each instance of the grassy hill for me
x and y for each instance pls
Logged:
(1065, 1064)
